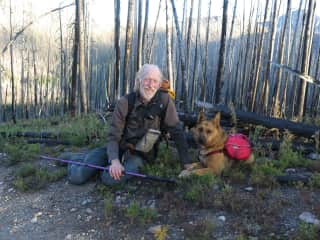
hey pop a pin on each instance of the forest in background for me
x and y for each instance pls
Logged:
(256, 60)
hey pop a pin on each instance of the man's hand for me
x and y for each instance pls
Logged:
(116, 169)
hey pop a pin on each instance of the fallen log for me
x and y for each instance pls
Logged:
(50, 142)
(29, 134)
(300, 129)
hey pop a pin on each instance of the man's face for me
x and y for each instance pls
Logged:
(149, 85)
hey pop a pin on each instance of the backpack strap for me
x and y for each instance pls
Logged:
(131, 97)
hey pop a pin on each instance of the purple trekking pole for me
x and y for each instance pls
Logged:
(155, 178)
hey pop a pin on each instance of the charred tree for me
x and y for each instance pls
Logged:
(13, 98)
(306, 58)
(139, 39)
(259, 56)
(74, 68)
(117, 47)
(169, 47)
(220, 72)
(82, 65)
(128, 45)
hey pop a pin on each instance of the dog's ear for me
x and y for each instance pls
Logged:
(216, 120)
(201, 116)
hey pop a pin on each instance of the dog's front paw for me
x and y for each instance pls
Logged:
(185, 173)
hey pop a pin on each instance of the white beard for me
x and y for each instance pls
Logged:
(147, 96)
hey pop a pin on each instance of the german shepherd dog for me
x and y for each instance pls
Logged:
(211, 138)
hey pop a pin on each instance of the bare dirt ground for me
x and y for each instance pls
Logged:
(65, 211)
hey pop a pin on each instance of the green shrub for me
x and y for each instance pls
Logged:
(18, 152)
(133, 211)
(32, 177)
(264, 174)
(25, 170)
(289, 158)
(167, 163)
(198, 188)
(201, 230)
(306, 232)
(108, 207)
(315, 180)
(140, 215)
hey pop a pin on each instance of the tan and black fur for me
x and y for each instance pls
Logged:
(211, 138)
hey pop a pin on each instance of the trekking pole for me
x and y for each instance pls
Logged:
(155, 178)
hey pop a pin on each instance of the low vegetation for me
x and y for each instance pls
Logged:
(206, 191)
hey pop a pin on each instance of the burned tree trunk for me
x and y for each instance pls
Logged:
(117, 47)
(276, 103)
(74, 67)
(182, 57)
(13, 98)
(258, 64)
(306, 57)
(221, 52)
(169, 47)
(128, 45)
(82, 70)
(139, 40)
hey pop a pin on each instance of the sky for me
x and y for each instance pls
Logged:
(102, 11)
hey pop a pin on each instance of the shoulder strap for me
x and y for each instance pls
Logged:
(131, 97)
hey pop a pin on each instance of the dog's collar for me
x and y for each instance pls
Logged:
(204, 153)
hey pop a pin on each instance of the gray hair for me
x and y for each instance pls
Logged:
(144, 70)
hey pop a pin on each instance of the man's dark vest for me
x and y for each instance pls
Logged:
(143, 117)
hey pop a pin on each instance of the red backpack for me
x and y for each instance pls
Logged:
(237, 146)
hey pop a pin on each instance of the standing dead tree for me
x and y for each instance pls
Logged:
(13, 98)
(203, 84)
(306, 58)
(266, 74)
(148, 51)
(195, 61)
(139, 39)
(221, 53)
(82, 65)
(128, 45)
(117, 47)
(145, 27)
(259, 55)
(15, 37)
(168, 47)
(278, 72)
(182, 57)
(189, 33)
(74, 68)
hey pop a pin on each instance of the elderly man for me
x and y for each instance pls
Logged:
(137, 121)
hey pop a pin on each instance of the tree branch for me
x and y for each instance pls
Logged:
(29, 24)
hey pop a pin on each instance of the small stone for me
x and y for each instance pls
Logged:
(68, 237)
(118, 199)
(85, 202)
(10, 190)
(38, 214)
(151, 204)
(89, 211)
(309, 218)
(291, 170)
(249, 189)
(73, 209)
(222, 218)
(155, 229)
(314, 156)
(34, 220)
